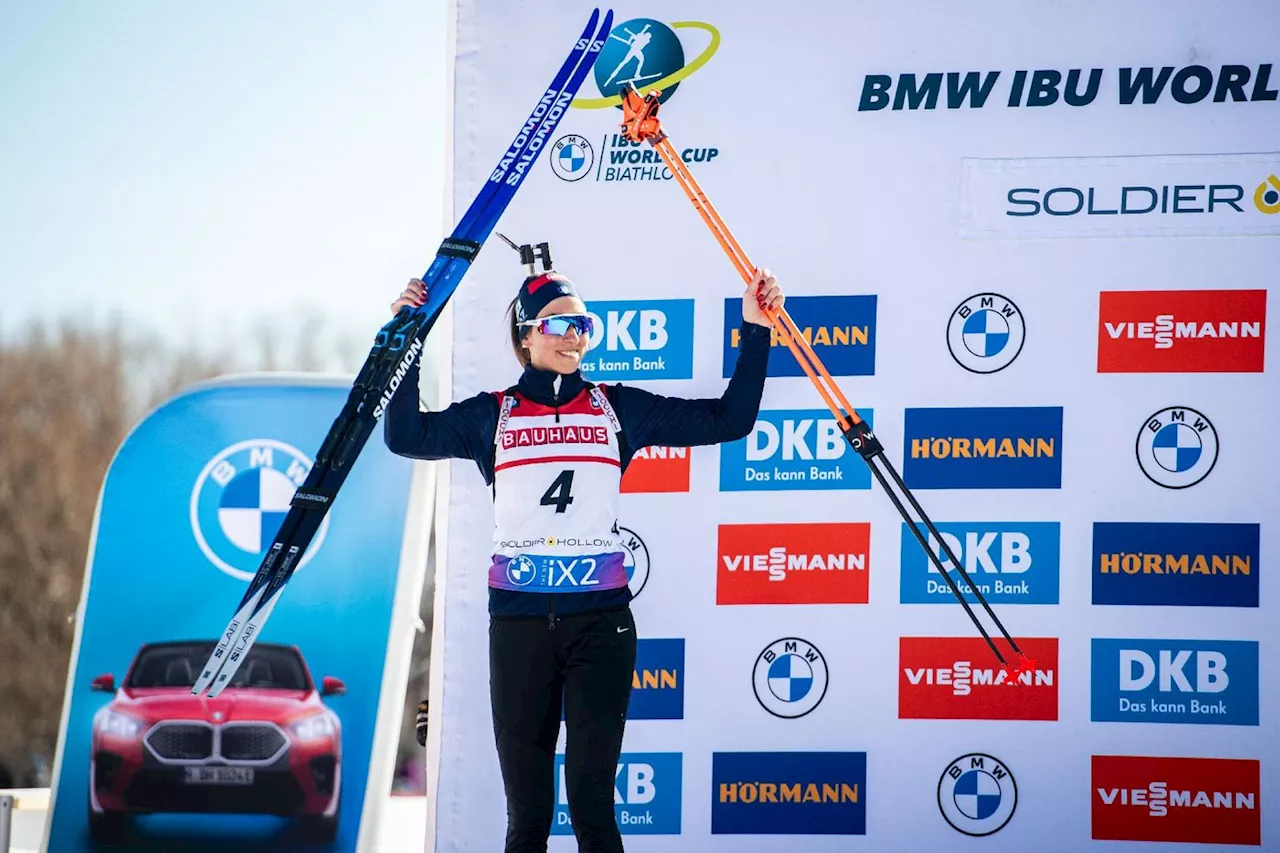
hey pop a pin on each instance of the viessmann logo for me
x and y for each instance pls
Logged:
(1190, 800)
(958, 678)
(650, 55)
(1182, 331)
(1131, 196)
(793, 563)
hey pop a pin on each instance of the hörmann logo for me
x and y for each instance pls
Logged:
(958, 678)
(983, 448)
(657, 683)
(657, 469)
(1194, 195)
(646, 794)
(841, 330)
(793, 449)
(1205, 682)
(788, 793)
(1190, 800)
(1077, 87)
(1012, 562)
(640, 339)
(793, 563)
(1176, 563)
(1182, 331)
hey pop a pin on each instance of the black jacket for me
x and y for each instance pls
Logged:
(465, 430)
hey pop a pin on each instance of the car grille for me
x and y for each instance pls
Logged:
(181, 742)
(187, 743)
(251, 743)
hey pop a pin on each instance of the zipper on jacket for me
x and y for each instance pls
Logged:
(551, 612)
(555, 395)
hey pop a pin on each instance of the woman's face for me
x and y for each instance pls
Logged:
(558, 353)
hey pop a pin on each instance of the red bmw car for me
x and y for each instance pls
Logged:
(266, 745)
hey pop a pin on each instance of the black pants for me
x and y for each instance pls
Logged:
(582, 664)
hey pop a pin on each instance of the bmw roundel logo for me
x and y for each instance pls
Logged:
(986, 333)
(521, 570)
(240, 500)
(790, 677)
(1177, 447)
(571, 157)
(636, 559)
(977, 794)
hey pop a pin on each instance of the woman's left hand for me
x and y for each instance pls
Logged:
(763, 292)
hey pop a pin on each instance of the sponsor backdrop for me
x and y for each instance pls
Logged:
(1042, 271)
(285, 757)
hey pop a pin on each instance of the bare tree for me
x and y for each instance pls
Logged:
(71, 393)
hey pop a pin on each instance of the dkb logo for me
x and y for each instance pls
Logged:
(1208, 682)
(793, 449)
(640, 339)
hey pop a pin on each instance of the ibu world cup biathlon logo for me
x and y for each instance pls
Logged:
(1177, 447)
(241, 498)
(986, 333)
(790, 677)
(650, 55)
(647, 54)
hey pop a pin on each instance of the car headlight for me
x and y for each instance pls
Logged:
(316, 727)
(120, 725)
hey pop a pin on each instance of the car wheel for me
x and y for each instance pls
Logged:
(108, 827)
(319, 829)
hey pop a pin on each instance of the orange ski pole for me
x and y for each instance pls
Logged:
(641, 124)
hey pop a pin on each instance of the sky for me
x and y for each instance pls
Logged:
(199, 169)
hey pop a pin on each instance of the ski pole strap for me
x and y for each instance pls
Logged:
(863, 440)
(453, 247)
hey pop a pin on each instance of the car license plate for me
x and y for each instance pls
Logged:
(217, 775)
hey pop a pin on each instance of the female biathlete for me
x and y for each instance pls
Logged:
(553, 447)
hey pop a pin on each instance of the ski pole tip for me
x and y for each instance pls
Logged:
(1021, 665)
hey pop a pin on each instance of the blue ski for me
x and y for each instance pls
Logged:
(397, 345)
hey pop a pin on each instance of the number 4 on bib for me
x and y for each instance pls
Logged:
(558, 495)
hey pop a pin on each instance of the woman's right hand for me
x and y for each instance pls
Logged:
(413, 296)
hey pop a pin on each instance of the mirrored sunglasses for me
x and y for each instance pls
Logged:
(560, 324)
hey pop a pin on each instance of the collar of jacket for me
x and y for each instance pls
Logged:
(539, 386)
